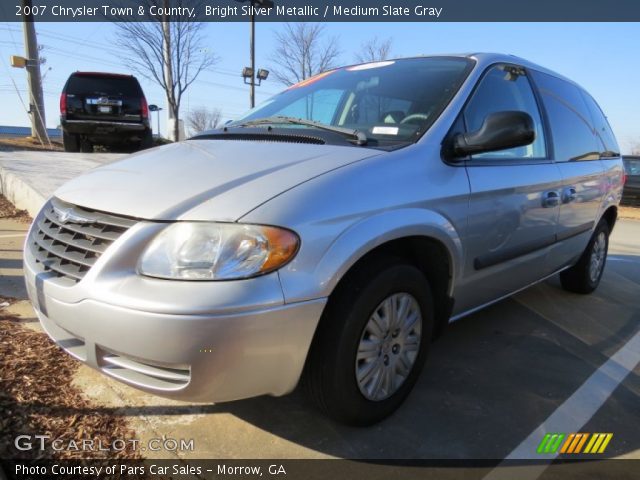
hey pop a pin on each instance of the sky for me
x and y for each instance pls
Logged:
(602, 57)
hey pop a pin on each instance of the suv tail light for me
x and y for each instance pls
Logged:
(144, 108)
(63, 103)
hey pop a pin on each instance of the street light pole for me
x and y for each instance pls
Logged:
(249, 73)
(252, 54)
(158, 118)
(36, 101)
(155, 108)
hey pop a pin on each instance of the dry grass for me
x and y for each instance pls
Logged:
(28, 143)
(631, 213)
(9, 211)
(37, 397)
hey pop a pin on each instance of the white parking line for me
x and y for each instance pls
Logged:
(628, 260)
(574, 413)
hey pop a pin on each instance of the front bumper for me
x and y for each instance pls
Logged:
(196, 341)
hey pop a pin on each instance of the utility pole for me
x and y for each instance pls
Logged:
(36, 101)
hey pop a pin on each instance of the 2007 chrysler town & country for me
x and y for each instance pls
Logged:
(330, 233)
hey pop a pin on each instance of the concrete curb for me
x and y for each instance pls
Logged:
(29, 178)
(20, 193)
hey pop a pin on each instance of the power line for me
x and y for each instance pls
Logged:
(6, 67)
(64, 53)
(106, 47)
(103, 47)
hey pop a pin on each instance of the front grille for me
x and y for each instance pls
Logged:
(69, 247)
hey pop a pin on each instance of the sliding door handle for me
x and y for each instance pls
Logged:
(569, 195)
(550, 199)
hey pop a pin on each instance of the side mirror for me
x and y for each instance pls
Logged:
(499, 131)
(153, 108)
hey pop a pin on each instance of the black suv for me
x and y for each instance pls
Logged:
(631, 193)
(105, 109)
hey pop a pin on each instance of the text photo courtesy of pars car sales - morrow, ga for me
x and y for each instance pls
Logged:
(346, 240)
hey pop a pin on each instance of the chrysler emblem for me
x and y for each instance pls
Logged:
(65, 215)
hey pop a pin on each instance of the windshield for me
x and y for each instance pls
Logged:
(391, 102)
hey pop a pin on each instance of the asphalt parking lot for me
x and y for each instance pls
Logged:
(542, 361)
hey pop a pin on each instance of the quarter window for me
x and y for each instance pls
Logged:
(569, 118)
(603, 130)
(506, 88)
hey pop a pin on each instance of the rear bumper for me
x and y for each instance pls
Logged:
(631, 194)
(102, 127)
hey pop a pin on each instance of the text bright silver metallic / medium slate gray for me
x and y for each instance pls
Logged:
(330, 234)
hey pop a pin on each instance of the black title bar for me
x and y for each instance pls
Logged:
(323, 10)
(314, 469)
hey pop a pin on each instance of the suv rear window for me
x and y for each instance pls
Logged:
(103, 85)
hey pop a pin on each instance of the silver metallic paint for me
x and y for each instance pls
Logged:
(342, 202)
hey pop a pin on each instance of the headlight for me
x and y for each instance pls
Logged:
(217, 251)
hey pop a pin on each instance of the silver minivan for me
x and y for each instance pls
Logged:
(330, 234)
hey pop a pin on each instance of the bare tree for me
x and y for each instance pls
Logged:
(202, 119)
(169, 51)
(301, 53)
(374, 50)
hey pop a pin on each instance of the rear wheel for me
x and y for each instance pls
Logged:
(147, 140)
(371, 344)
(584, 277)
(86, 146)
(70, 142)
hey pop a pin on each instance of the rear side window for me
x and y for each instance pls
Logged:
(103, 85)
(603, 130)
(506, 88)
(572, 131)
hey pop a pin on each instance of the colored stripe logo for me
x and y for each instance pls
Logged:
(562, 443)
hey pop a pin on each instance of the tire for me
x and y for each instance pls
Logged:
(339, 383)
(147, 140)
(86, 146)
(70, 142)
(584, 277)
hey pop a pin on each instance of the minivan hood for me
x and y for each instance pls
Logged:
(218, 180)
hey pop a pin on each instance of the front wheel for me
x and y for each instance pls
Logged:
(371, 344)
(584, 277)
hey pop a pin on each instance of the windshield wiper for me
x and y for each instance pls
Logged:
(357, 135)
